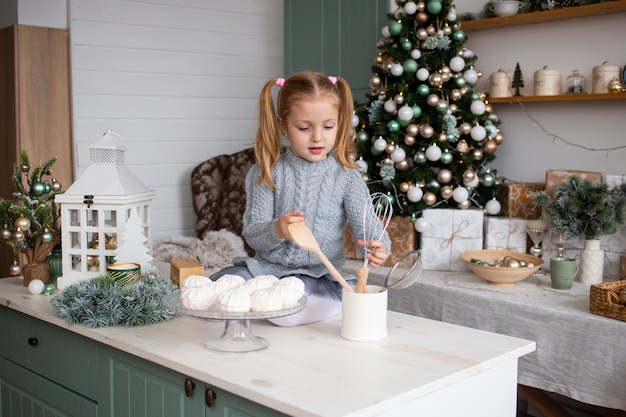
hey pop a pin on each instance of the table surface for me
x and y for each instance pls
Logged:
(307, 370)
(579, 354)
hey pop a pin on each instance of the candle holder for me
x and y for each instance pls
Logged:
(536, 229)
(558, 239)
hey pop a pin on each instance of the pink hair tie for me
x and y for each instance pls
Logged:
(280, 82)
(332, 79)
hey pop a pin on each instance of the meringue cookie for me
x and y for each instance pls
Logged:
(260, 282)
(234, 300)
(293, 282)
(266, 300)
(196, 281)
(227, 282)
(197, 298)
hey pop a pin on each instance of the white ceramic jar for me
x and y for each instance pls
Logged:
(500, 84)
(547, 82)
(602, 75)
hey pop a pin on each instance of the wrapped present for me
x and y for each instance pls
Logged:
(403, 240)
(449, 233)
(554, 178)
(503, 233)
(515, 199)
(614, 181)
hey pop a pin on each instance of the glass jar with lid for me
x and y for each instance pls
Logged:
(575, 83)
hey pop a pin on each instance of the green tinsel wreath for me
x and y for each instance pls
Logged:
(99, 302)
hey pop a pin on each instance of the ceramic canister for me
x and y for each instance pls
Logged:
(547, 82)
(500, 84)
(602, 75)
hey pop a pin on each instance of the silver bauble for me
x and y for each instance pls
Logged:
(6, 234)
(18, 236)
(56, 186)
(15, 270)
(23, 223)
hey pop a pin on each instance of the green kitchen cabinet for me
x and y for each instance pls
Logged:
(336, 37)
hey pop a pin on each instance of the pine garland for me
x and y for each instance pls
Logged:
(99, 302)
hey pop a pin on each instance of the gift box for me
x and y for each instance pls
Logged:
(554, 178)
(403, 240)
(449, 233)
(622, 267)
(503, 233)
(180, 269)
(614, 181)
(515, 199)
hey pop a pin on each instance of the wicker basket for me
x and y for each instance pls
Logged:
(604, 299)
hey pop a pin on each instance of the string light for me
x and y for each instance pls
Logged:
(557, 137)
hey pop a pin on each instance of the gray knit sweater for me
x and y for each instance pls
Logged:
(328, 194)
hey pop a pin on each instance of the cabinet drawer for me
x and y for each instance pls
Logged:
(50, 351)
(24, 393)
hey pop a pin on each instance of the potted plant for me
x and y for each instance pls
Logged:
(585, 209)
(30, 222)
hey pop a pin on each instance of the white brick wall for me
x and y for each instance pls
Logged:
(177, 79)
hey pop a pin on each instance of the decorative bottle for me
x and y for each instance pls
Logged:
(576, 83)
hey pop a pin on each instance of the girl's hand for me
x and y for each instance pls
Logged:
(376, 253)
(280, 225)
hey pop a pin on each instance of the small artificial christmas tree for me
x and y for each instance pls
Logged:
(425, 138)
(133, 248)
(518, 80)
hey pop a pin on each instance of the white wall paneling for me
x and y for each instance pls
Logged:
(179, 81)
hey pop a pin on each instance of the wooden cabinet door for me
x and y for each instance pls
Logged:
(336, 37)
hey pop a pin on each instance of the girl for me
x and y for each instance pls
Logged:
(313, 181)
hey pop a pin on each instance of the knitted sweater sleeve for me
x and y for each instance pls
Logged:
(258, 220)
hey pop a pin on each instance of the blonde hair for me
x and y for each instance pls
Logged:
(305, 85)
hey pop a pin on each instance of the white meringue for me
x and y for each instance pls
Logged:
(234, 300)
(266, 300)
(196, 281)
(259, 283)
(197, 298)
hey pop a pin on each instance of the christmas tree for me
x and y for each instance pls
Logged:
(424, 137)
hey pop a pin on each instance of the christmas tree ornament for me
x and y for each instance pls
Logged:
(15, 270)
(6, 233)
(451, 14)
(478, 133)
(453, 108)
(412, 130)
(442, 107)
(398, 154)
(446, 192)
(432, 100)
(465, 128)
(390, 106)
(416, 54)
(18, 235)
(395, 28)
(385, 32)
(422, 17)
(433, 184)
(459, 36)
(403, 165)
(460, 194)
(446, 157)
(457, 64)
(399, 99)
(477, 154)
(490, 146)
(361, 165)
(444, 176)
(415, 194)
(410, 8)
(24, 167)
(431, 30)
(56, 186)
(422, 74)
(429, 198)
(477, 107)
(46, 236)
(433, 153)
(499, 138)
(473, 183)
(405, 113)
(462, 146)
(417, 111)
(397, 70)
(380, 144)
(423, 90)
(393, 126)
(427, 131)
(442, 137)
(36, 286)
(464, 205)
(409, 140)
(421, 224)
(493, 207)
(37, 188)
(434, 7)
(390, 148)
(22, 223)
(469, 175)
(406, 44)
(375, 82)
(487, 179)
(362, 136)
(49, 289)
(404, 187)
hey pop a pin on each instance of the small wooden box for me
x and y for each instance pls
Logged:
(182, 268)
(622, 267)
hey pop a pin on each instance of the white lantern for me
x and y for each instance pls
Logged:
(95, 209)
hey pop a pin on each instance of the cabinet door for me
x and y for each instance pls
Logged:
(26, 394)
(138, 388)
(226, 404)
(336, 37)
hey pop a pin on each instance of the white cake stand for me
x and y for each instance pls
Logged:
(237, 336)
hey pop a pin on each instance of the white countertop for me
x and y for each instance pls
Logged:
(307, 370)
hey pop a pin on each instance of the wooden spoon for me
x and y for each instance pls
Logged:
(304, 238)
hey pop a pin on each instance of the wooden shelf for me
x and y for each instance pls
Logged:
(545, 16)
(563, 97)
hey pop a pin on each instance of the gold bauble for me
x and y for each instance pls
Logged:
(432, 100)
(422, 35)
(453, 108)
(421, 6)
(431, 30)
(409, 140)
(444, 176)
(111, 242)
(379, 59)
(456, 94)
(22, 223)
(91, 260)
(429, 198)
(446, 192)
(402, 165)
(443, 137)
(387, 162)
(477, 154)
(499, 138)
(490, 146)
(422, 18)
(466, 128)
(435, 79)
(615, 86)
(404, 186)
(469, 175)
(427, 131)
(462, 146)
(375, 82)
(412, 130)
(399, 99)
(390, 148)
(447, 30)
(488, 108)
(464, 205)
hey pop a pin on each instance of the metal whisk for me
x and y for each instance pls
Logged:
(376, 213)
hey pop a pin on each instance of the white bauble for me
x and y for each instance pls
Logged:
(478, 133)
(471, 76)
(414, 194)
(405, 113)
(422, 74)
(397, 70)
(421, 224)
(457, 64)
(460, 194)
(477, 107)
(493, 207)
(416, 54)
(385, 32)
(473, 183)
(451, 15)
(355, 120)
(398, 154)
(433, 152)
(36, 286)
(390, 106)
(361, 165)
(380, 144)
(410, 8)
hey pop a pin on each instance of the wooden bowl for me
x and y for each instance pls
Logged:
(500, 275)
